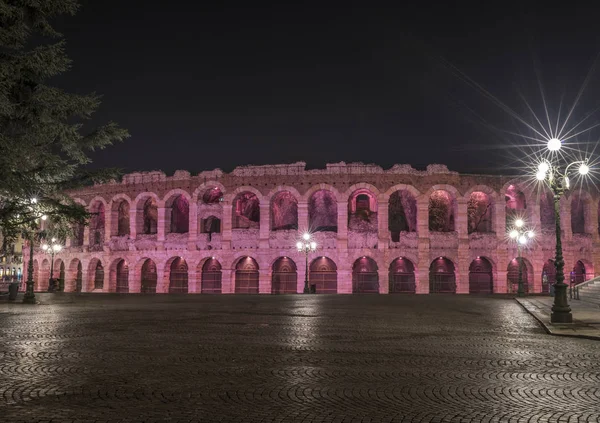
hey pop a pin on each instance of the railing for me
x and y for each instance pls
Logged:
(574, 291)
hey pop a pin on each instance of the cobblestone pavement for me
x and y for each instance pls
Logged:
(344, 358)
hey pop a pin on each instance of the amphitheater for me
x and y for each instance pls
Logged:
(397, 230)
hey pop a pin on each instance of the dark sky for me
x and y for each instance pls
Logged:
(202, 85)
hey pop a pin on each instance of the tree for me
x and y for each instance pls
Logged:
(44, 140)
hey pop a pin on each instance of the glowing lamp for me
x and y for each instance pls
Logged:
(544, 167)
(313, 245)
(306, 236)
(514, 234)
(530, 234)
(44, 217)
(522, 240)
(56, 248)
(567, 182)
(554, 144)
(299, 245)
(45, 247)
(540, 176)
(519, 223)
(584, 169)
(34, 200)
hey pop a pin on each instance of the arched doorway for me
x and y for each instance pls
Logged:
(323, 274)
(98, 276)
(578, 273)
(548, 276)
(285, 276)
(122, 277)
(365, 278)
(441, 277)
(246, 276)
(481, 280)
(149, 277)
(79, 277)
(178, 277)
(402, 276)
(61, 276)
(211, 277)
(513, 275)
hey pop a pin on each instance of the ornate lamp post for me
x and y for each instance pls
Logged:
(51, 249)
(557, 179)
(29, 297)
(521, 236)
(306, 246)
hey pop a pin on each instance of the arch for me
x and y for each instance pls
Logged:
(578, 274)
(96, 274)
(580, 212)
(74, 277)
(211, 277)
(199, 192)
(284, 279)
(246, 211)
(365, 276)
(402, 276)
(178, 276)
(481, 279)
(284, 211)
(442, 276)
(246, 276)
(362, 210)
(122, 276)
(480, 208)
(548, 276)
(120, 205)
(97, 223)
(211, 195)
(177, 213)
(443, 209)
(402, 213)
(323, 274)
(512, 275)
(310, 192)
(146, 213)
(44, 274)
(61, 275)
(547, 218)
(78, 231)
(148, 276)
(210, 225)
(515, 204)
(322, 212)
(59, 267)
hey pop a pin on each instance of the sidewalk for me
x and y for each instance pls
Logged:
(586, 317)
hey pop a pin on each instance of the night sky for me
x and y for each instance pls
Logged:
(203, 85)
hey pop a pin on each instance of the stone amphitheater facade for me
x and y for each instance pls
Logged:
(383, 231)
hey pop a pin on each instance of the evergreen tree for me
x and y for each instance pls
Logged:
(44, 143)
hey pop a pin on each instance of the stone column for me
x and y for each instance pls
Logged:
(226, 228)
(342, 225)
(193, 281)
(135, 279)
(227, 284)
(461, 219)
(265, 227)
(108, 222)
(161, 224)
(384, 283)
(133, 222)
(383, 231)
(422, 267)
(501, 281)
(344, 282)
(537, 262)
(264, 281)
(302, 217)
(86, 238)
(462, 271)
(193, 226)
(500, 219)
(162, 279)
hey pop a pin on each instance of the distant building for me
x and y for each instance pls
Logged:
(11, 262)
(398, 230)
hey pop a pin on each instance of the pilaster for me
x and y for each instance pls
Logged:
(226, 229)
(264, 281)
(133, 222)
(193, 226)
(161, 224)
(384, 283)
(344, 282)
(265, 227)
(342, 227)
(383, 232)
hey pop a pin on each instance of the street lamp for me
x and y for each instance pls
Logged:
(51, 249)
(29, 297)
(306, 246)
(521, 236)
(558, 182)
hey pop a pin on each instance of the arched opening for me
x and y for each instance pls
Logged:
(548, 276)
(98, 275)
(285, 276)
(120, 218)
(149, 277)
(547, 219)
(61, 273)
(481, 279)
(322, 212)
(178, 276)
(246, 211)
(122, 277)
(516, 204)
(211, 277)
(97, 221)
(79, 278)
(362, 207)
(212, 196)
(77, 236)
(442, 278)
(210, 225)
(479, 213)
(578, 274)
(178, 215)
(44, 275)
(402, 214)
(365, 278)
(513, 275)
(284, 211)
(442, 209)
(402, 276)
(246, 276)
(323, 274)
(147, 216)
(73, 282)
(577, 214)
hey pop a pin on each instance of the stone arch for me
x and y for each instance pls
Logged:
(402, 210)
(512, 275)
(442, 276)
(481, 276)
(58, 262)
(323, 274)
(322, 211)
(200, 191)
(44, 275)
(210, 225)
(246, 276)
(583, 270)
(95, 275)
(365, 276)
(548, 276)
(146, 213)
(284, 211)
(148, 275)
(118, 279)
(74, 276)
(211, 276)
(245, 210)
(581, 212)
(516, 198)
(363, 209)
(443, 209)
(97, 208)
(284, 278)
(323, 186)
(480, 212)
(119, 215)
(178, 275)
(177, 211)
(402, 276)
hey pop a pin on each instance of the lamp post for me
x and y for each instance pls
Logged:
(557, 179)
(521, 236)
(51, 249)
(29, 297)
(306, 246)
